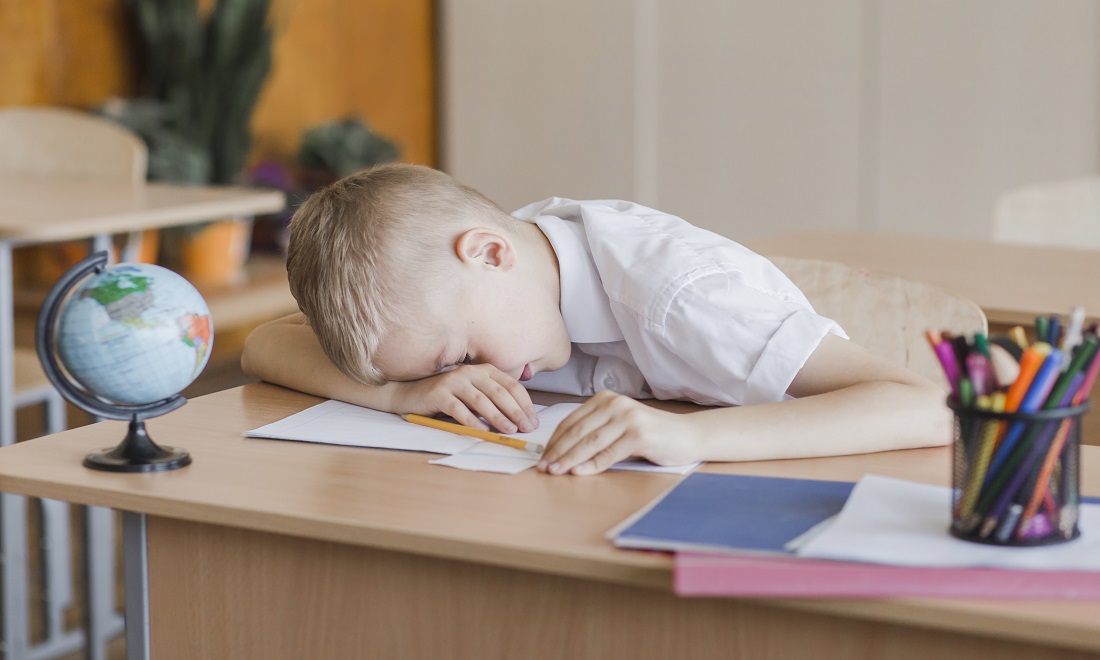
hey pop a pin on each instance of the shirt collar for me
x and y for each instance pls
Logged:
(585, 307)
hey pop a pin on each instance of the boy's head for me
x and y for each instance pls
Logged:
(404, 272)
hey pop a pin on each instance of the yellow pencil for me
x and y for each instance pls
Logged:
(1019, 336)
(487, 436)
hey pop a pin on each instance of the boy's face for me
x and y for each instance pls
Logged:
(490, 312)
(520, 339)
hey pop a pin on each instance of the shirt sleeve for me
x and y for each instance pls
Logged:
(750, 343)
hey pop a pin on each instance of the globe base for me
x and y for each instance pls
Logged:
(137, 453)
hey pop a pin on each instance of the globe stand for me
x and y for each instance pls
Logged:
(137, 453)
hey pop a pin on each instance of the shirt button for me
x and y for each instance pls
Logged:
(610, 382)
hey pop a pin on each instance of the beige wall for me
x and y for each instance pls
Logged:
(754, 117)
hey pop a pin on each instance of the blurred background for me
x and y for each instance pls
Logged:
(742, 116)
(907, 116)
(746, 117)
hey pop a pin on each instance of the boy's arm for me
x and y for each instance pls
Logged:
(848, 401)
(286, 352)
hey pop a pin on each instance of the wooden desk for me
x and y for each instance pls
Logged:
(274, 549)
(1012, 283)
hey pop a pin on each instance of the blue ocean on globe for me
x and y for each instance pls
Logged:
(134, 334)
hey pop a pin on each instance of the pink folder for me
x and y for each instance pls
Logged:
(716, 575)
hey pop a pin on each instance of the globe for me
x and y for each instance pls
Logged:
(121, 342)
(134, 333)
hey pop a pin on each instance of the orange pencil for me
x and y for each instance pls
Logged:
(487, 436)
(1030, 362)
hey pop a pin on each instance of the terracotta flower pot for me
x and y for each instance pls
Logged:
(39, 266)
(215, 254)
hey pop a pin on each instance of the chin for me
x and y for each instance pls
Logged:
(562, 361)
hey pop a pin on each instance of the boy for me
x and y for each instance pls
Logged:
(421, 295)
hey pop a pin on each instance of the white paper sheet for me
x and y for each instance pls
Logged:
(339, 423)
(490, 457)
(890, 521)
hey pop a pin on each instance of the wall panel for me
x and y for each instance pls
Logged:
(538, 98)
(979, 97)
(752, 116)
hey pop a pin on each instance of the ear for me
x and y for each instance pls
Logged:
(483, 246)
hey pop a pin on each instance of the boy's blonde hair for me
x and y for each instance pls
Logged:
(366, 242)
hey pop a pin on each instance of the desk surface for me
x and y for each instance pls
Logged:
(397, 501)
(1011, 283)
(39, 209)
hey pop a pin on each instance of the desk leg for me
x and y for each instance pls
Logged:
(136, 563)
(14, 630)
(102, 242)
(13, 508)
(7, 348)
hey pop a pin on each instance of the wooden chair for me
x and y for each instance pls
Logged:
(885, 314)
(61, 142)
(57, 142)
(1063, 214)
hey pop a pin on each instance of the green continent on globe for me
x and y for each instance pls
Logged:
(125, 296)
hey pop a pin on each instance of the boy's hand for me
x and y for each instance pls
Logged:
(469, 391)
(610, 427)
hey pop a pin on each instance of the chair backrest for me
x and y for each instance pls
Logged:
(57, 141)
(1065, 214)
(885, 314)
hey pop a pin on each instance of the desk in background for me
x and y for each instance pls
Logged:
(273, 549)
(1011, 283)
(43, 209)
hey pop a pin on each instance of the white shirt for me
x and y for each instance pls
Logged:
(656, 307)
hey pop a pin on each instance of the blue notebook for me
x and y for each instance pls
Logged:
(726, 512)
(735, 513)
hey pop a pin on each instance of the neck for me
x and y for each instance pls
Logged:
(539, 260)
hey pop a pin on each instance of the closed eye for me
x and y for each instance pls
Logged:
(467, 359)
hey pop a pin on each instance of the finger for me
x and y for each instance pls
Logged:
(584, 451)
(570, 431)
(521, 397)
(597, 438)
(481, 403)
(593, 413)
(483, 389)
(619, 450)
(456, 408)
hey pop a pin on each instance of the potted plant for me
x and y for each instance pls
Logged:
(203, 75)
(327, 152)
